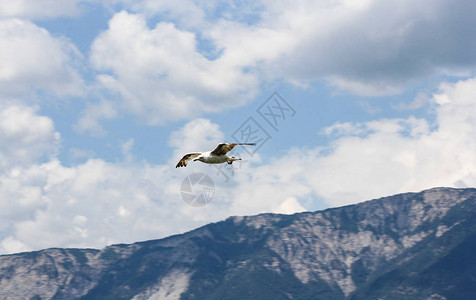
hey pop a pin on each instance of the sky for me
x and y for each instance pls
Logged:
(347, 101)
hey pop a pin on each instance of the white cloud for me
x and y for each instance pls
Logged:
(31, 59)
(400, 155)
(211, 57)
(289, 206)
(161, 75)
(97, 203)
(25, 136)
(40, 9)
(188, 12)
(196, 135)
(200, 15)
(371, 159)
(12, 245)
(94, 203)
(91, 204)
(365, 47)
(375, 47)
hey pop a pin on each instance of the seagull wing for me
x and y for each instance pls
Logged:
(186, 158)
(224, 148)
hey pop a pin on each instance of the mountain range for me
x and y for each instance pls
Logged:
(407, 246)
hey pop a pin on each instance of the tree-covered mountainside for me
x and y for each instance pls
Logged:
(407, 246)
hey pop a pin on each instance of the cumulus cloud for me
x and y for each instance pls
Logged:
(161, 75)
(97, 203)
(370, 159)
(196, 135)
(92, 204)
(213, 57)
(25, 136)
(53, 204)
(374, 47)
(397, 155)
(47, 9)
(174, 71)
(64, 198)
(31, 60)
(289, 206)
(365, 47)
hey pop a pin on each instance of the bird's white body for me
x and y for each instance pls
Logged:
(209, 158)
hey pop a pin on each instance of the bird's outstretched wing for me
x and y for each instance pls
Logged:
(224, 148)
(186, 158)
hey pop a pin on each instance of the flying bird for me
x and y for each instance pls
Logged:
(216, 156)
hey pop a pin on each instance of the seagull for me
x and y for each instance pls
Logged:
(216, 156)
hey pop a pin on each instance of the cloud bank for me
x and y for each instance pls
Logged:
(210, 58)
(31, 60)
(46, 204)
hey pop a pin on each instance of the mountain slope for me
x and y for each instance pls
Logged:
(407, 246)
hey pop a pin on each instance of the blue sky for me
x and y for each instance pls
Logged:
(99, 100)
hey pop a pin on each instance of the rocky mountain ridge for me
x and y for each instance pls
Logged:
(407, 246)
